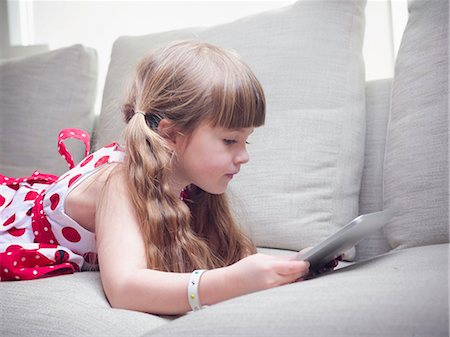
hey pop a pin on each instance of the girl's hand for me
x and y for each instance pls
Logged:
(259, 271)
(324, 269)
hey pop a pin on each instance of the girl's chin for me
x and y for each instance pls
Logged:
(217, 190)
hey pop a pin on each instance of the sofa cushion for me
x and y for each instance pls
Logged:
(401, 293)
(71, 305)
(39, 96)
(378, 100)
(416, 176)
(304, 175)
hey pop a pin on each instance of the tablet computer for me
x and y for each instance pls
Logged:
(344, 239)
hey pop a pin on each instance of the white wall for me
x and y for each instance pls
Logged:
(98, 23)
(385, 23)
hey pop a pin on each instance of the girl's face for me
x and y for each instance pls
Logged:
(211, 156)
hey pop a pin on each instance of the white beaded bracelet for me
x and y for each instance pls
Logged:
(193, 297)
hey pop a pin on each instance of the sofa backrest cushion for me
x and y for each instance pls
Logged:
(303, 179)
(416, 176)
(39, 96)
(378, 100)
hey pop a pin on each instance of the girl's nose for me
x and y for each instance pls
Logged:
(242, 157)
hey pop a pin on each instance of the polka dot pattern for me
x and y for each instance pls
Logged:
(87, 160)
(73, 179)
(28, 263)
(16, 231)
(10, 220)
(71, 234)
(37, 238)
(72, 133)
(54, 199)
(32, 195)
(101, 161)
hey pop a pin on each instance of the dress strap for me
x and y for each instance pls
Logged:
(72, 133)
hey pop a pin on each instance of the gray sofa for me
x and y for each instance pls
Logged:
(334, 146)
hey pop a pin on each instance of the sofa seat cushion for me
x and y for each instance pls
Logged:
(72, 305)
(401, 293)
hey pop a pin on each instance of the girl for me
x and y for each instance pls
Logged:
(157, 205)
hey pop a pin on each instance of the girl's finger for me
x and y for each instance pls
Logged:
(292, 267)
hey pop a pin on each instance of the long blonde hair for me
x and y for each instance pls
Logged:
(186, 82)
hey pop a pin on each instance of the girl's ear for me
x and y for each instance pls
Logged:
(168, 130)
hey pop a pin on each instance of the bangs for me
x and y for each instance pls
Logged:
(237, 100)
(205, 82)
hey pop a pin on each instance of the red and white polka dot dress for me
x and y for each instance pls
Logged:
(37, 238)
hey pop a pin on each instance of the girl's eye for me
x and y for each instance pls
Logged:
(229, 141)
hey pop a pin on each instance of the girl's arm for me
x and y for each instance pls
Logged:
(128, 283)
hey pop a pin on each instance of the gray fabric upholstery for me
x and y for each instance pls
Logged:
(416, 176)
(378, 99)
(39, 96)
(385, 296)
(401, 293)
(65, 306)
(299, 188)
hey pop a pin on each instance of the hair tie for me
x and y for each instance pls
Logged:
(151, 119)
(140, 112)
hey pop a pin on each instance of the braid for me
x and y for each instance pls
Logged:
(165, 220)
